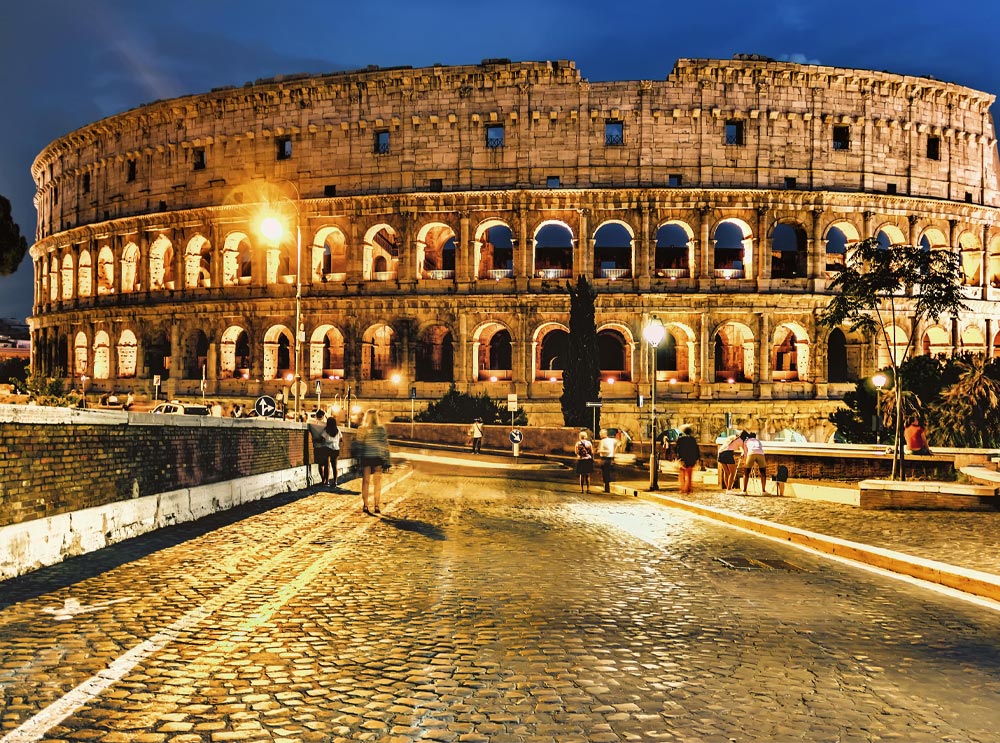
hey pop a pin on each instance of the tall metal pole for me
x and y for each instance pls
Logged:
(298, 308)
(654, 455)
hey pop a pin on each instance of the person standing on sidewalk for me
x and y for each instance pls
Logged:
(606, 451)
(584, 460)
(689, 453)
(321, 452)
(476, 435)
(754, 458)
(371, 448)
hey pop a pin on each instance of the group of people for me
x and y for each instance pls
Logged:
(585, 458)
(370, 448)
(748, 449)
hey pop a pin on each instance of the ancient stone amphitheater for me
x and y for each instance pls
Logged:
(433, 218)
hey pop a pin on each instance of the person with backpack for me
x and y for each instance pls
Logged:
(689, 454)
(584, 460)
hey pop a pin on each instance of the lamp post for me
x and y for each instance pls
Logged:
(653, 333)
(879, 381)
(273, 230)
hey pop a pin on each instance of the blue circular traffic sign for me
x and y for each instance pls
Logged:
(265, 406)
(516, 436)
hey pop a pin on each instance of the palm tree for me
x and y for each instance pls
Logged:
(968, 412)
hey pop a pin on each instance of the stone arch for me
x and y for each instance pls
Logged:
(734, 352)
(789, 250)
(889, 234)
(237, 259)
(130, 268)
(674, 250)
(614, 250)
(102, 355)
(327, 353)
(157, 353)
(971, 251)
(435, 251)
(128, 354)
(435, 354)
(839, 236)
(550, 342)
(614, 352)
(837, 363)
(936, 342)
(552, 252)
(161, 264)
(380, 352)
(236, 359)
(380, 253)
(993, 261)
(67, 272)
(675, 356)
(897, 342)
(198, 262)
(790, 353)
(493, 352)
(973, 340)
(733, 249)
(195, 353)
(105, 271)
(85, 275)
(493, 250)
(329, 255)
(81, 358)
(931, 238)
(278, 353)
(54, 280)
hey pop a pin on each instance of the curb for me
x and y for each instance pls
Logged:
(975, 582)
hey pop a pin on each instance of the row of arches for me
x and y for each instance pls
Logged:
(735, 253)
(380, 351)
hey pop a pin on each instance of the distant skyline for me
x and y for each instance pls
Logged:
(64, 64)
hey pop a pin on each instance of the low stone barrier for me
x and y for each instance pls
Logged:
(918, 494)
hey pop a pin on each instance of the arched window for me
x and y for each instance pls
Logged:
(105, 271)
(612, 252)
(672, 251)
(552, 354)
(553, 252)
(788, 252)
(435, 355)
(836, 357)
(127, 354)
(85, 280)
(102, 355)
(612, 354)
(732, 250)
(380, 353)
(496, 252)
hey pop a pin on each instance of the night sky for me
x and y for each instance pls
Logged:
(67, 63)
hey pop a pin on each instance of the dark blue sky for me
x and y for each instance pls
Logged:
(66, 63)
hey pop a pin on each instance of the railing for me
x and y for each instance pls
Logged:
(500, 273)
(336, 276)
(728, 273)
(554, 273)
(439, 274)
(615, 273)
(672, 273)
(495, 375)
(383, 275)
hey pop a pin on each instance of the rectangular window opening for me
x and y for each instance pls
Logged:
(552, 181)
(329, 190)
(734, 133)
(933, 148)
(841, 137)
(199, 158)
(436, 185)
(790, 182)
(382, 143)
(494, 136)
(890, 188)
(968, 197)
(131, 171)
(614, 134)
(86, 182)
(675, 180)
(284, 145)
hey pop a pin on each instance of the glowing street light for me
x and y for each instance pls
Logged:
(653, 334)
(879, 381)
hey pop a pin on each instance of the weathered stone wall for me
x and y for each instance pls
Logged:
(54, 461)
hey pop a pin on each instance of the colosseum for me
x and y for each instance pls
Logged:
(433, 217)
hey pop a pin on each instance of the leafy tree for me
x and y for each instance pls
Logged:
(15, 371)
(582, 370)
(879, 285)
(13, 246)
(968, 412)
(461, 407)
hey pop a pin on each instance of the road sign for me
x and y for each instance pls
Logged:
(595, 404)
(156, 380)
(265, 406)
(516, 437)
(319, 388)
(639, 401)
(413, 393)
(511, 403)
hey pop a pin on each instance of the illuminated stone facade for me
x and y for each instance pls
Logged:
(443, 210)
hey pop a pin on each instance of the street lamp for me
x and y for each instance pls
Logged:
(273, 230)
(653, 333)
(879, 381)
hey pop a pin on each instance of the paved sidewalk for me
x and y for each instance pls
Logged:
(954, 548)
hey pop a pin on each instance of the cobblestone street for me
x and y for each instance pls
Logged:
(484, 607)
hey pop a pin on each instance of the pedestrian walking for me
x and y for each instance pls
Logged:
(476, 435)
(728, 467)
(754, 458)
(584, 460)
(321, 452)
(689, 454)
(606, 451)
(332, 439)
(371, 448)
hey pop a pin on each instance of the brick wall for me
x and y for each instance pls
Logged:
(55, 461)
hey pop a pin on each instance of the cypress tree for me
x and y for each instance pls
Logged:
(582, 370)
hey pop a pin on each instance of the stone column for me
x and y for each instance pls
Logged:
(212, 362)
(176, 363)
(465, 271)
(816, 251)
(523, 250)
(761, 265)
(764, 347)
(989, 338)
(463, 360)
(704, 254)
(355, 255)
(583, 253)
(912, 237)
(644, 258)
(706, 365)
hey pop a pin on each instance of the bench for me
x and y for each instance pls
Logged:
(927, 495)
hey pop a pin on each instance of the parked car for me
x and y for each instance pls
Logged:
(174, 407)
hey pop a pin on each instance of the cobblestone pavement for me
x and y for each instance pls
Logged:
(967, 539)
(497, 607)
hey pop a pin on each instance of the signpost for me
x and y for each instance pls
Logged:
(596, 406)
(516, 437)
(319, 395)
(156, 387)
(413, 398)
(265, 406)
(512, 408)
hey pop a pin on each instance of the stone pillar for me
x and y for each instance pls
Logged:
(644, 256)
(463, 359)
(706, 364)
(112, 353)
(465, 251)
(524, 249)
(212, 362)
(816, 251)
(355, 255)
(176, 363)
(912, 237)
(704, 253)
(406, 268)
(989, 338)
(761, 265)
(764, 347)
(583, 253)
